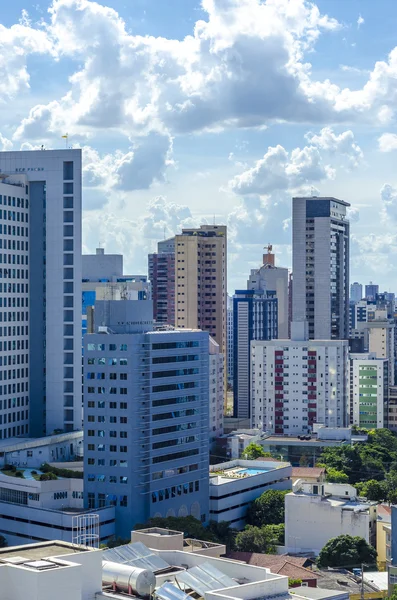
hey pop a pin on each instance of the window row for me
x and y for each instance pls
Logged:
(19, 302)
(14, 344)
(174, 456)
(172, 359)
(102, 419)
(14, 274)
(111, 405)
(14, 259)
(14, 245)
(102, 448)
(102, 433)
(170, 387)
(102, 375)
(110, 361)
(109, 478)
(16, 315)
(14, 374)
(11, 201)
(14, 230)
(176, 490)
(102, 500)
(13, 431)
(111, 347)
(176, 414)
(13, 417)
(14, 288)
(188, 439)
(13, 215)
(113, 462)
(111, 390)
(175, 373)
(13, 402)
(174, 472)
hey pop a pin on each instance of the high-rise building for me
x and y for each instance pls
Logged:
(216, 390)
(201, 282)
(229, 340)
(320, 257)
(254, 318)
(162, 279)
(40, 228)
(273, 279)
(371, 291)
(368, 390)
(356, 292)
(146, 402)
(299, 382)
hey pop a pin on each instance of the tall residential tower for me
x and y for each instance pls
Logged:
(320, 249)
(40, 237)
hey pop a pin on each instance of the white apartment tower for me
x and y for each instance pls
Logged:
(320, 257)
(299, 382)
(41, 273)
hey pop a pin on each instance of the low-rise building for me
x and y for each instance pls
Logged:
(293, 567)
(315, 513)
(74, 572)
(32, 510)
(383, 535)
(33, 452)
(308, 474)
(235, 484)
(159, 538)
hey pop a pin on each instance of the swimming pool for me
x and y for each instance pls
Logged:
(253, 471)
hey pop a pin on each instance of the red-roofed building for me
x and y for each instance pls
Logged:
(290, 566)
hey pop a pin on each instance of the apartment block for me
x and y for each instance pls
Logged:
(41, 273)
(146, 399)
(320, 257)
(369, 390)
(255, 317)
(297, 383)
(161, 268)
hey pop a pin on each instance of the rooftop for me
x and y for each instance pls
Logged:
(290, 566)
(308, 471)
(341, 579)
(241, 469)
(41, 550)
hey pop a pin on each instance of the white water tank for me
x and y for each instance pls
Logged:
(126, 578)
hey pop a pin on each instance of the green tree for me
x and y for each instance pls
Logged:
(372, 490)
(254, 451)
(346, 551)
(335, 476)
(255, 539)
(268, 509)
(277, 532)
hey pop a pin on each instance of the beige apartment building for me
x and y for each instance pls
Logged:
(201, 282)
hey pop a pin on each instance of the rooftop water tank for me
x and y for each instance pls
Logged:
(128, 579)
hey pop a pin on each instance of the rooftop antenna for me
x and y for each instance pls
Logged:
(65, 137)
(214, 219)
(164, 231)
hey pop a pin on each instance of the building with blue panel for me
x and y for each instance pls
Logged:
(255, 317)
(146, 403)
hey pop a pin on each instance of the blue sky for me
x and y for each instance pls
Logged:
(192, 111)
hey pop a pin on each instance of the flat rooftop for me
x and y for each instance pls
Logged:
(222, 476)
(42, 550)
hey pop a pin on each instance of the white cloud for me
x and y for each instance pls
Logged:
(387, 142)
(388, 195)
(280, 170)
(342, 145)
(360, 21)
(5, 144)
(135, 238)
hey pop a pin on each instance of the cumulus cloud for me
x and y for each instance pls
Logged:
(5, 144)
(388, 195)
(360, 21)
(136, 238)
(387, 142)
(342, 145)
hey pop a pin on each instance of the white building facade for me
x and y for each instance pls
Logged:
(235, 484)
(216, 390)
(230, 331)
(52, 185)
(369, 390)
(296, 383)
(315, 513)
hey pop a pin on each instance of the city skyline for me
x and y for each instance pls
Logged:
(164, 157)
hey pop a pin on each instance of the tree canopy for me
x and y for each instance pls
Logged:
(365, 465)
(255, 539)
(346, 551)
(254, 451)
(268, 509)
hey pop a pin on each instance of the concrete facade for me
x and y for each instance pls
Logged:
(235, 484)
(201, 282)
(32, 453)
(161, 268)
(356, 292)
(297, 383)
(320, 256)
(52, 180)
(159, 380)
(254, 318)
(273, 279)
(216, 390)
(368, 390)
(315, 513)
